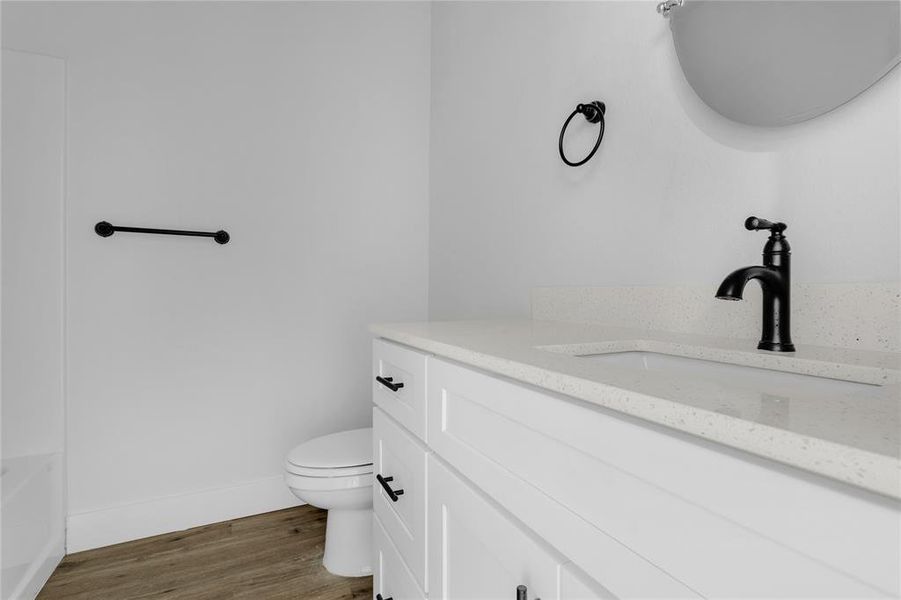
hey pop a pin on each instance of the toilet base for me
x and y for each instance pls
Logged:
(348, 542)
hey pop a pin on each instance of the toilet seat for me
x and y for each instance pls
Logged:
(317, 472)
(328, 484)
(342, 454)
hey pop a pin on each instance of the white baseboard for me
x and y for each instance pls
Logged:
(128, 522)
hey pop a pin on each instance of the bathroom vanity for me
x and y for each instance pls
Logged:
(529, 459)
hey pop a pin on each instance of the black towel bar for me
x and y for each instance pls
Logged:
(105, 229)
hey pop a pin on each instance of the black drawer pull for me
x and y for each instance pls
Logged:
(388, 382)
(379, 597)
(393, 494)
(522, 593)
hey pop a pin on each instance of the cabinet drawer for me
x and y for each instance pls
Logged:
(400, 459)
(391, 577)
(476, 551)
(646, 512)
(398, 384)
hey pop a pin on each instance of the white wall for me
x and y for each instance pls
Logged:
(302, 129)
(664, 200)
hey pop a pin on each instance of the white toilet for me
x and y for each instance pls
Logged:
(334, 472)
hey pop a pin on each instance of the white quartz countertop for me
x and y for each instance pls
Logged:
(852, 436)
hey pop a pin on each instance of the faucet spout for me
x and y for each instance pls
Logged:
(774, 278)
(733, 286)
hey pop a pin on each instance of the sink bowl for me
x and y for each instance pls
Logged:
(730, 375)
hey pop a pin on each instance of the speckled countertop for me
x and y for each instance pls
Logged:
(849, 435)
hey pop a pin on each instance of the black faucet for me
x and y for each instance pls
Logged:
(775, 280)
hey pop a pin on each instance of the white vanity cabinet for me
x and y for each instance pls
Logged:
(526, 487)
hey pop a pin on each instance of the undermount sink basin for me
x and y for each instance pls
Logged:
(731, 375)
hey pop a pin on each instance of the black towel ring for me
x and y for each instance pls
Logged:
(594, 113)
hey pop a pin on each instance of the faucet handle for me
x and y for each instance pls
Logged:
(756, 224)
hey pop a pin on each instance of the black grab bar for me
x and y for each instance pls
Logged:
(105, 229)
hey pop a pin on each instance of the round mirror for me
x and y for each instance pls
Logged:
(778, 62)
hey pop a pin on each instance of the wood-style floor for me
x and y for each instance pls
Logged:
(274, 556)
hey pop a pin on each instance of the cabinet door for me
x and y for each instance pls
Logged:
(476, 551)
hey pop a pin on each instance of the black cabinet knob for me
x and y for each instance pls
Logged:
(522, 593)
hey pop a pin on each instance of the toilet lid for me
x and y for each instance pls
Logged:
(342, 450)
